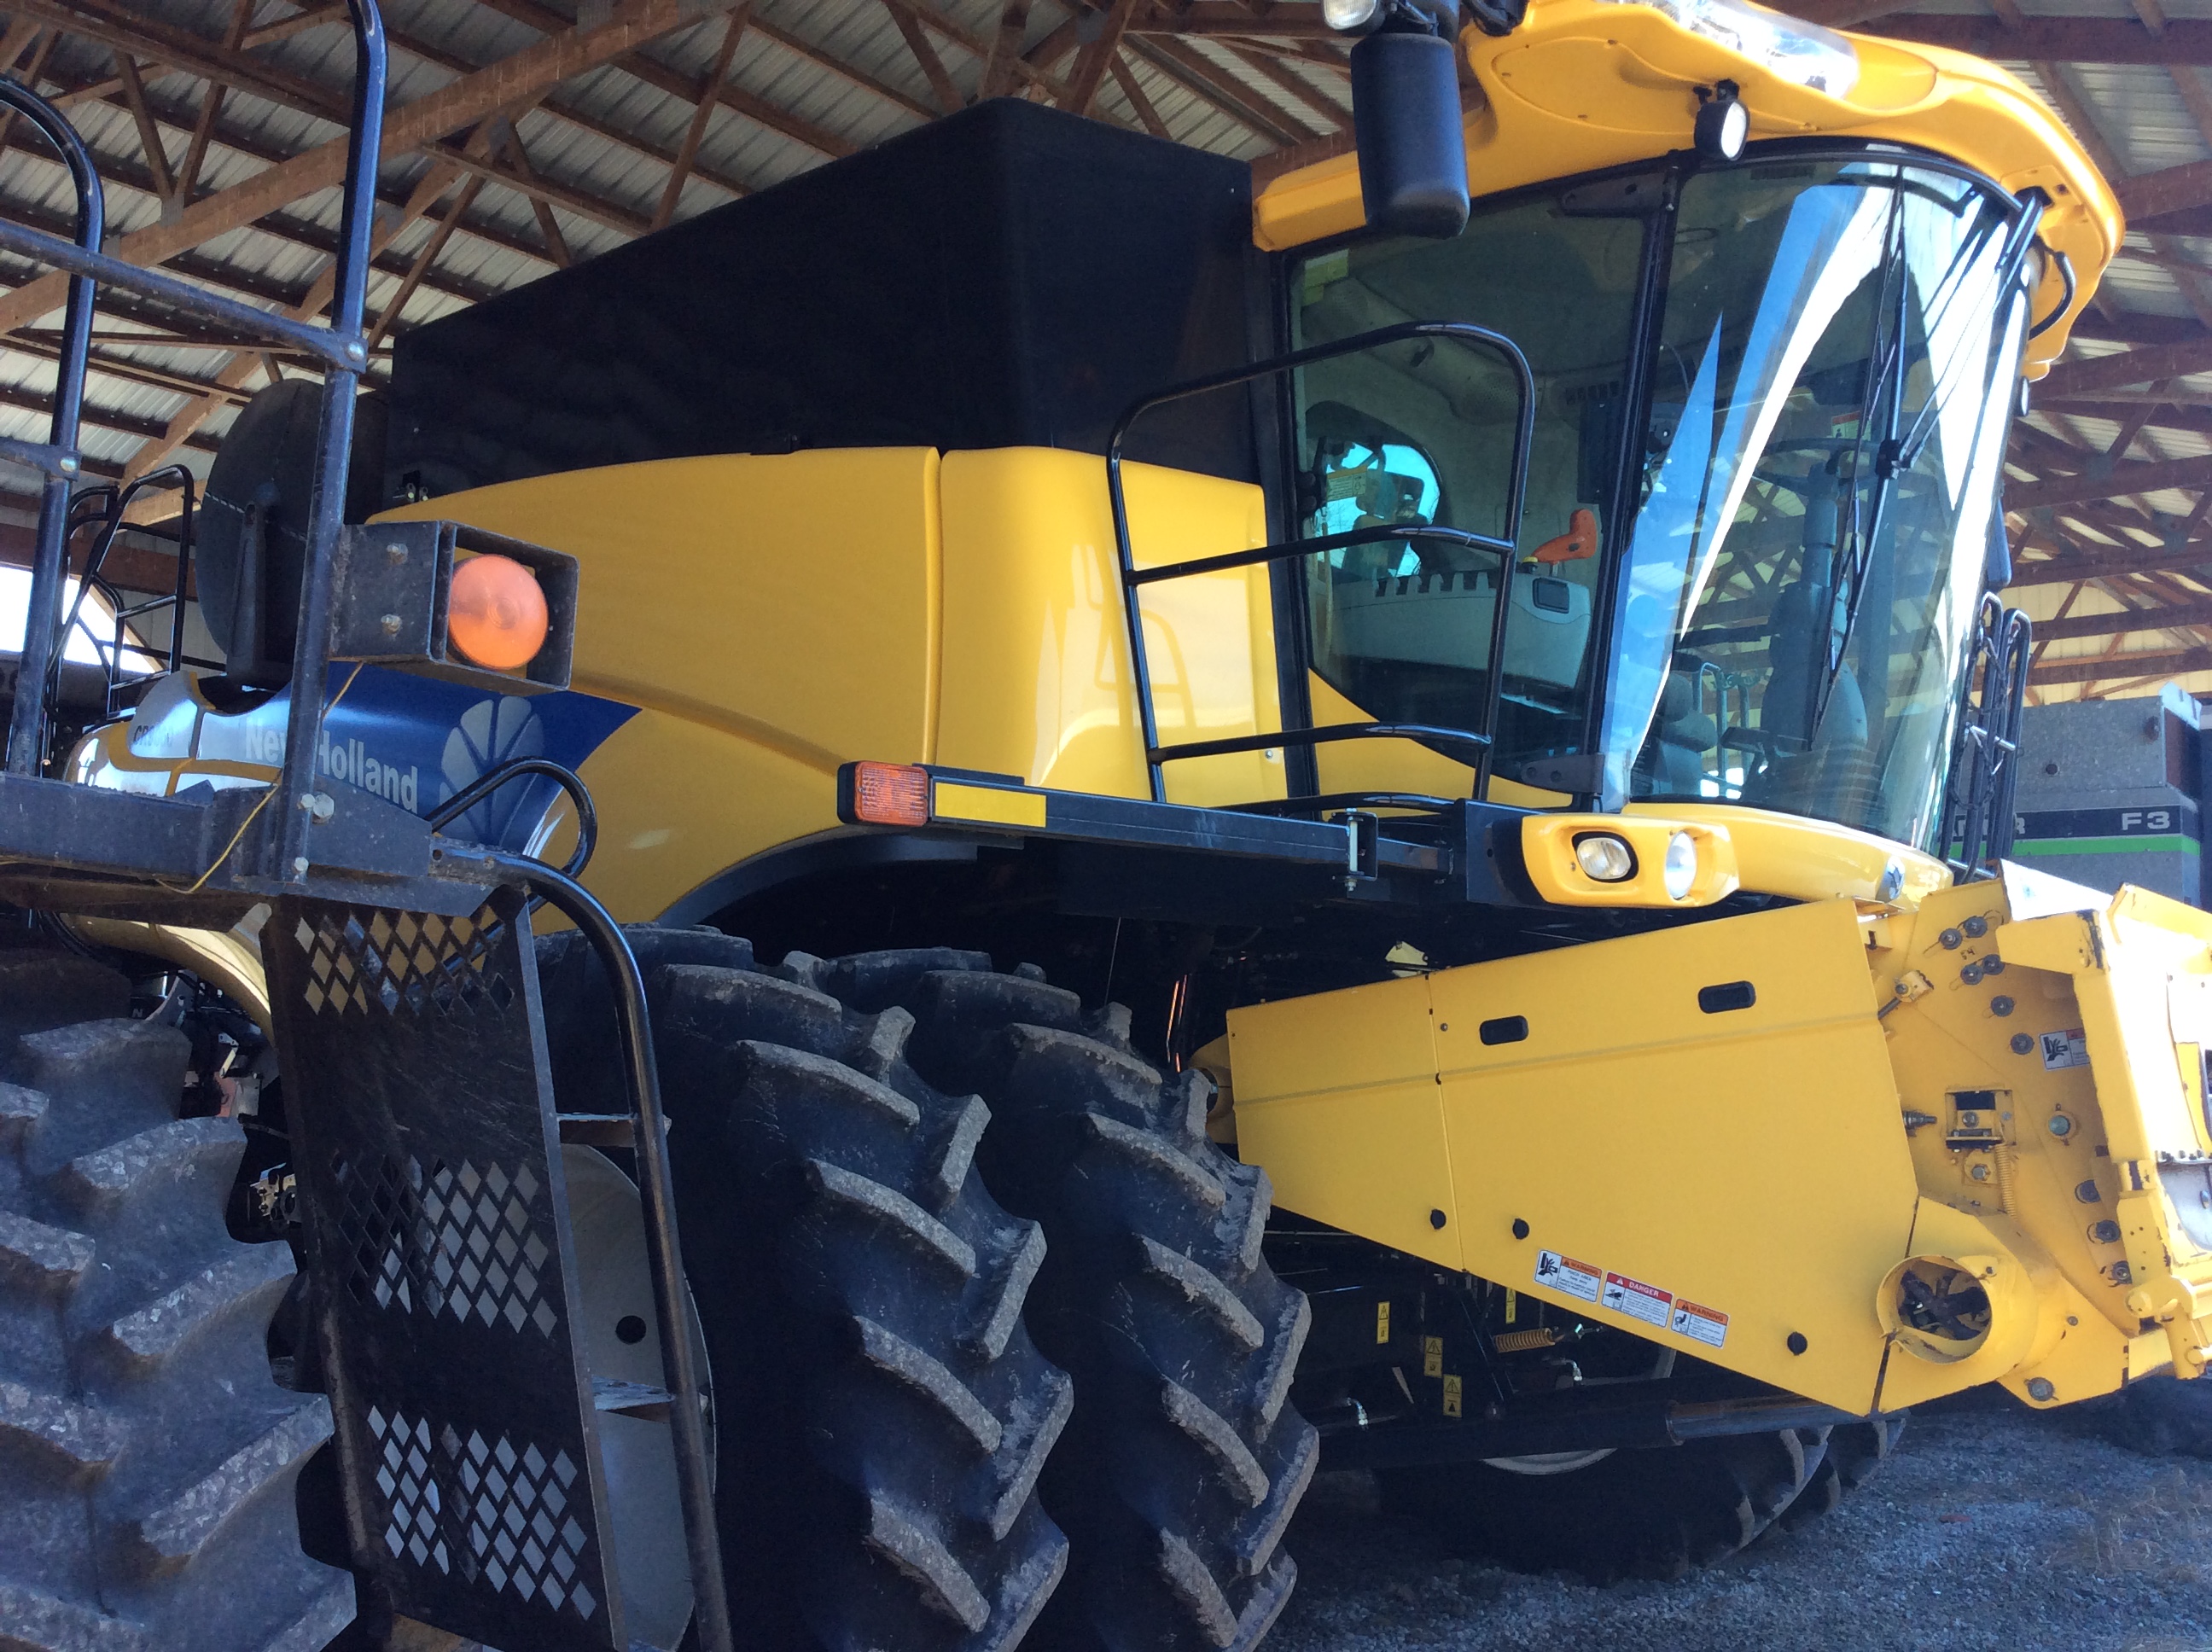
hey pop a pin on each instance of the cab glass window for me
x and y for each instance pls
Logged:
(1422, 432)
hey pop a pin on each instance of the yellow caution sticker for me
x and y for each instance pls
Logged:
(1512, 1305)
(1432, 1357)
(1451, 1396)
(1382, 1321)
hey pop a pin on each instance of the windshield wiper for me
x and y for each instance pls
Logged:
(1885, 388)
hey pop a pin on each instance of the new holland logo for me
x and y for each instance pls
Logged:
(344, 759)
(489, 733)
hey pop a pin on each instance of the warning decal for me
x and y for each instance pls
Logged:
(2070, 1048)
(1565, 1273)
(1707, 1324)
(1638, 1300)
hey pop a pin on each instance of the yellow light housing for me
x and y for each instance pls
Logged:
(1627, 860)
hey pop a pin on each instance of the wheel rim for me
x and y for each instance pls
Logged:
(1549, 1462)
(637, 1453)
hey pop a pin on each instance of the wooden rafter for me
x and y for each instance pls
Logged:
(549, 227)
(703, 111)
(1210, 84)
(424, 259)
(1006, 48)
(1125, 78)
(925, 56)
(2149, 666)
(149, 135)
(1090, 64)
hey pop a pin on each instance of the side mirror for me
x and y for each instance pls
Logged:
(1406, 112)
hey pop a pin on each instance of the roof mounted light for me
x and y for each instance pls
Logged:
(1350, 16)
(1724, 123)
(1813, 56)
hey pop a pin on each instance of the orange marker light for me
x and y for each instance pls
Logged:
(496, 614)
(891, 795)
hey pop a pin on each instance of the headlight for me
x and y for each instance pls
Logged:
(1804, 52)
(1349, 16)
(1680, 870)
(1606, 858)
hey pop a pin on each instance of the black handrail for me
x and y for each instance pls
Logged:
(27, 733)
(110, 519)
(1135, 578)
(588, 817)
(334, 447)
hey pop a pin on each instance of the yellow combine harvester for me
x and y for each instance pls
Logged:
(1517, 715)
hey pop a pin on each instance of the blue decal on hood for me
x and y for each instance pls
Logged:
(418, 740)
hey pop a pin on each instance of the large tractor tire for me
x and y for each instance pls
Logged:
(146, 1457)
(1184, 1460)
(1609, 1514)
(881, 1415)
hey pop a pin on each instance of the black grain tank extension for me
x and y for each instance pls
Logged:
(1009, 276)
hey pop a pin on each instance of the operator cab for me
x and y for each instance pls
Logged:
(1771, 406)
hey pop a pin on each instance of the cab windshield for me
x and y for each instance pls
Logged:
(1751, 582)
(1818, 486)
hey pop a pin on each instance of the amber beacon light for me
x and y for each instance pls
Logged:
(496, 614)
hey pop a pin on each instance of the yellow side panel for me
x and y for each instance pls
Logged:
(1738, 1174)
(1379, 765)
(680, 801)
(1582, 85)
(791, 598)
(1749, 1160)
(1036, 668)
(1344, 1110)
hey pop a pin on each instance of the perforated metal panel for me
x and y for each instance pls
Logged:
(424, 1139)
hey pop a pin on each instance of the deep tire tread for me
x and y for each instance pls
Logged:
(147, 1458)
(1183, 1463)
(862, 1301)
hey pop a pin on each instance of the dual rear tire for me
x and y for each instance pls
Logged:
(984, 1372)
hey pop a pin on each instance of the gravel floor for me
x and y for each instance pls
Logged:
(1992, 1528)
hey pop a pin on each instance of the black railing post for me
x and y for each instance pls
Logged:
(49, 572)
(311, 647)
